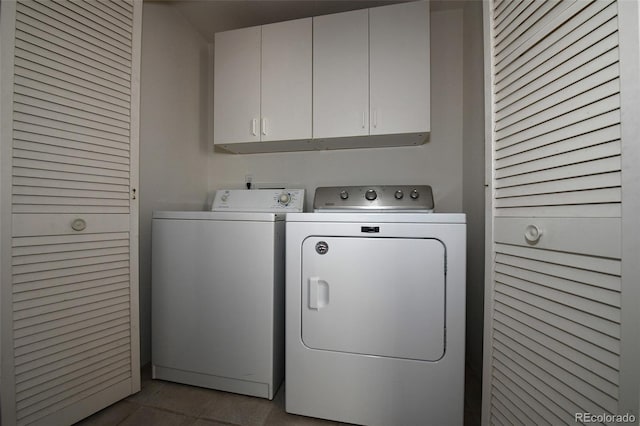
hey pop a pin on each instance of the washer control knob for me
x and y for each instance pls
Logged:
(414, 194)
(224, 197)
(284, 198)
(370, 195)
(399, 194)
(344, 195)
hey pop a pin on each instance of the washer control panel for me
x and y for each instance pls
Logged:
(259, 200)
(387, 198)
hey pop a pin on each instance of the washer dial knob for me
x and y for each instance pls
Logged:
(414, 194)
(284, 199)
(344, 195)
(399, 194)
(370, 195)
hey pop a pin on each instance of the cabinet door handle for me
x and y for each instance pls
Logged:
(253, 127)
(375, 118)
(364, 119)
(264, 126)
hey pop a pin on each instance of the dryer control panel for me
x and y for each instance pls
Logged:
(259, 200)
(379, 198)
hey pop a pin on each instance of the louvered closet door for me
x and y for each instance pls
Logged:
(553, 306)
(74, 232)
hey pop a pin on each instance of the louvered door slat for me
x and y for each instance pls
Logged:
(567, 364)
(33, 11)
(585, 29)
(52, 81)
(519, 122)
(57, 116)
(33, 44)
(62, 373)
(569, 272)
(35, 367)
(92, 29)
(84, 117)
(107, 17)
(508, 315)
(574, 400)
(74, 146)
(509, 326)
(54, 91)
(36, 133)
(88, 153)
(511, 413)
(570, 260)
(602, 68)
(525, 21)
(533, 34)
(79, 148)
(504, 9)
(609, 328)
(504, 29)
(51, 345)
(65, 45)
(604, 180)
(53, 99)
(572, 86)
(529, 396)
(80, 14)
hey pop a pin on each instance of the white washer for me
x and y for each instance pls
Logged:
(375, 309)
(218, 292)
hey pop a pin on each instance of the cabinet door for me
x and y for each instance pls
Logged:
(237, 86)
(341, 74)
(399, 68)
(286, 80)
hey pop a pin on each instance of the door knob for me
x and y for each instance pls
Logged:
(78, 224)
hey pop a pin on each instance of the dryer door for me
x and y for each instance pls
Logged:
(374, 296)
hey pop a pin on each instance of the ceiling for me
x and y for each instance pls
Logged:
(211, 16)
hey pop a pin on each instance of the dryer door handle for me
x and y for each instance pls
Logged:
(318, 293)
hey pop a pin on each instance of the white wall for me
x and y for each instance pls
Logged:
(174, 117)
(437, 163)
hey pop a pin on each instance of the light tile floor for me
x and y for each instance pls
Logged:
(161, 403)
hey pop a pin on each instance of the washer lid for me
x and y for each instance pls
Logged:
(226, 216)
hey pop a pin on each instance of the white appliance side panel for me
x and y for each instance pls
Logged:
(374, 296)
(213, 297)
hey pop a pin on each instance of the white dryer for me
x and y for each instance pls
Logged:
(218, 292)
(375, 308)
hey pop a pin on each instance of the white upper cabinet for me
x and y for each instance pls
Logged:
(286, 80)
(325, 82)
(263, 83)
(341, 74)
(236, 109)
(399, 68)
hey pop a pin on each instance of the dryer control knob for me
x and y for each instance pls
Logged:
(399, 194)
(344, 195)
(370, 195)
(415, 194)
(284, 198)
